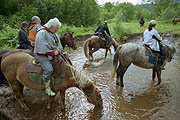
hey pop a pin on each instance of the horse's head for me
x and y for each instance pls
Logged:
(70, 40)
(93, 94)
(83, 82)
(171, 51)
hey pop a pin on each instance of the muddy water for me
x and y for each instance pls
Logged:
(136, 101)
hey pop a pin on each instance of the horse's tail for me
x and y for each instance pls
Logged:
(115, 62)
(2, 77)
(86, 43)
(115, 44)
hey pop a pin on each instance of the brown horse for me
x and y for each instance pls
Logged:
(68, 39)
(141, 21)
(94, 43)
(133, 53)
(176, 20)
(13, 66)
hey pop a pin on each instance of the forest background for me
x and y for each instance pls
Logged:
(83, 16)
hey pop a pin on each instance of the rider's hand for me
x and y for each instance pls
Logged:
(56, 52)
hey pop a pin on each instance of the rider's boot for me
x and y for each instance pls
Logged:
(48, 88)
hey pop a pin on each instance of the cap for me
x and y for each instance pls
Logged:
(152, 22)
(24, 24)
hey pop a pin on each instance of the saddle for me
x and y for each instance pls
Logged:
(149, 52)
(58, 64)
(153, 58)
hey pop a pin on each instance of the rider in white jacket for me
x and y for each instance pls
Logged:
(152, 39)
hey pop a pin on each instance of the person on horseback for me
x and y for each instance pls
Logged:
(47, 45)
(34, 26)
(101, 30)
(23, 40)
(152, 39)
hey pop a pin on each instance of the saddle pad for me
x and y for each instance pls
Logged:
(152, 60)
(149, 52)
(37, 78)
(57, 63)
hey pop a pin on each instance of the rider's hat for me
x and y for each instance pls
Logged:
(152, 22)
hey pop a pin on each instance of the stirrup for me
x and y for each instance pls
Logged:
(50, 92)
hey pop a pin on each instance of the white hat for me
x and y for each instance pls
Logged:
(152, 22)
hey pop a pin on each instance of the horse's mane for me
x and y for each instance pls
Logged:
(80, 78)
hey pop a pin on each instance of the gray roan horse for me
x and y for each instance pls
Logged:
(133, 53)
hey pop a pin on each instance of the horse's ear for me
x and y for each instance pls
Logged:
(72, 33)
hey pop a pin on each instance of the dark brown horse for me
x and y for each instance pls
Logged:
(94, 43)
(176, 20)
(68, 39)
(141, 21)
(14, 64)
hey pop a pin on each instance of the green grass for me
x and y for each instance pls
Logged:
(161, 27)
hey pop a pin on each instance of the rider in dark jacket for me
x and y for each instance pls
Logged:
(23, 39)
(101, 29)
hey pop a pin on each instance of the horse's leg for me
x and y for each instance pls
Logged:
(107, 49)
(158, 76)
(62, 100)
(110, 51)
(153, 74)
(120, 73)
(17, 89)
(106, 52)
(92, 51)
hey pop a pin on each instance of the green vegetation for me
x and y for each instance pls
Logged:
(83, 16)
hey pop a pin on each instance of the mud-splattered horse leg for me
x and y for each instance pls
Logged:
(107, 49)
(158, 72)
(158, 76)
(120, 74)
(92, 51)
(17, 89)
(153, 74)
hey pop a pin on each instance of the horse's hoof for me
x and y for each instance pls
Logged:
(156, 85)
(122, 85)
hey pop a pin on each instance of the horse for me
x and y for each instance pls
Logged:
(68, 39)
(133, 53)
(13, 66)
(94, 43)
(141, 21)
(176, 20)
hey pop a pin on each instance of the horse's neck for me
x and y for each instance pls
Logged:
(63, 41)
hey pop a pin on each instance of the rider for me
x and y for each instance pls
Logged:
(34, 26)
(47, 45)
(23, 39)
(152, 39)
(101, 30)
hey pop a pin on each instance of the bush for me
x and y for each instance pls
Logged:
(120, 32)
(8, 37)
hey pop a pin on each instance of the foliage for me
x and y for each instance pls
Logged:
(8, 37)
